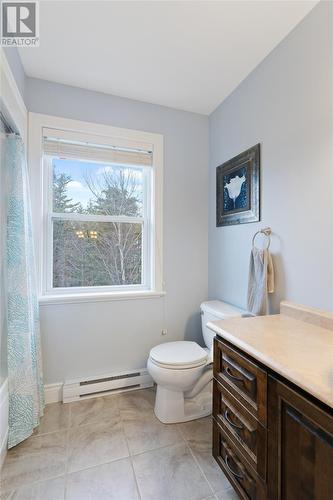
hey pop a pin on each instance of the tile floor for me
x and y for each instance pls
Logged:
(114, 448)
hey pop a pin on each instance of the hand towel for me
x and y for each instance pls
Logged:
(261, 281)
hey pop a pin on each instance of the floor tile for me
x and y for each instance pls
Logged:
(93, 410)
(134, 403)
(38, 458)
(56, 418)
(198, 435)
(96, 444)
(113, 481)
(54, 489)
(172, 462)
(227, 495)
(145, 432)
(170, 473)
(6, 495)
(212, 471)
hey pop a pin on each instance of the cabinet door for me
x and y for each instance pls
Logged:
(300, 446)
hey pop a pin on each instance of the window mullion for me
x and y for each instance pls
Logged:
(96, 218)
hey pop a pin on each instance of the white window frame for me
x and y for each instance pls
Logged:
(41, 183)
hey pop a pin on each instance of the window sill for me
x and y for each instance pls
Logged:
(98, 297)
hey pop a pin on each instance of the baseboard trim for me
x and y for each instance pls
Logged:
(3, 420)
(53, 393)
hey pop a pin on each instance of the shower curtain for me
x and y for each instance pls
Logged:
(26, 391)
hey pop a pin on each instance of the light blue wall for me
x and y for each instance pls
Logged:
(16, 67)
(286, 105)
(89, 339)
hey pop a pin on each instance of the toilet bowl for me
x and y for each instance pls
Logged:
(183, 370)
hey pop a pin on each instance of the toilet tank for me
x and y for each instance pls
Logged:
(214, 310)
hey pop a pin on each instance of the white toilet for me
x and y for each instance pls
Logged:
(183, 370)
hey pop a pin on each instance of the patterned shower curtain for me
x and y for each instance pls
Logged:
(26, 391)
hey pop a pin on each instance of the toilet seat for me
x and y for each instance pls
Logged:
(178, 355)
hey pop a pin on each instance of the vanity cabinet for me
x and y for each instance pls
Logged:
(300, 446)
(272, 441)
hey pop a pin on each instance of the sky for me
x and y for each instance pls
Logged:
(79, 170)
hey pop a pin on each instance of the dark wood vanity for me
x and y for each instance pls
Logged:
(271, 439)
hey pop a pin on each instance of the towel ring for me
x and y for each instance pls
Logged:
(266, 232)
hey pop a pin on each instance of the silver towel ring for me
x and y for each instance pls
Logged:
(266, 231)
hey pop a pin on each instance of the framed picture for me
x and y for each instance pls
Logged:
(238, 189)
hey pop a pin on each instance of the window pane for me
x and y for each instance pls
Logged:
(96, 188)
(96, 253)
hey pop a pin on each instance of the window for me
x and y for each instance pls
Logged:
(100, 215)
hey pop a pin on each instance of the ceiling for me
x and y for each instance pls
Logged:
(188, 55)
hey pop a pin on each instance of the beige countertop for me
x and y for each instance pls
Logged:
(299, 351)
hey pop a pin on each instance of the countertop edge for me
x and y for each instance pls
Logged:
(269, 362)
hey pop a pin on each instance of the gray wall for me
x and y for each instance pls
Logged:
(89, 339)
(286, 105)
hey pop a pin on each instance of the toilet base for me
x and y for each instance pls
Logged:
(172, 407)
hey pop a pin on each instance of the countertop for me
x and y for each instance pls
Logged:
(299, 351)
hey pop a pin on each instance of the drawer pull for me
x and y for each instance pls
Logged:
(233, 377)
(226, 416)
(236, 474)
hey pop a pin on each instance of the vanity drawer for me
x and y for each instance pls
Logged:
(241, 427)
(243, 378)
(243, 479)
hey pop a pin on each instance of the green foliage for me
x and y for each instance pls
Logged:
(61, 202)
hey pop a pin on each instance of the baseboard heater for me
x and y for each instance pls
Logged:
(92, 387)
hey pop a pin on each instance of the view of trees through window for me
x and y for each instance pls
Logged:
(96, 252)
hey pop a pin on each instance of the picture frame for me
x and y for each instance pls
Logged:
(238, 189)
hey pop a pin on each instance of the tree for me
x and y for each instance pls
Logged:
(114, 193)
(103, 253)
(117, 194)
(62, 230)
(61, 202)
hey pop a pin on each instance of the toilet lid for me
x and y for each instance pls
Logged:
(179, 354)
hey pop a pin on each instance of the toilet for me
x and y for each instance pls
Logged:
(183, 370)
